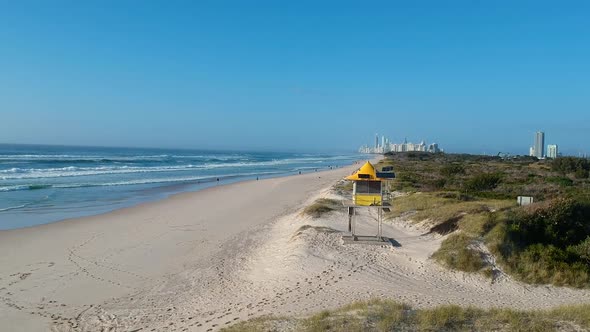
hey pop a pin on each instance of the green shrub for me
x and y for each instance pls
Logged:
(545, 243)
(541, 264)
(438, 184)
(562, 181)
(452, 170)
(455, 195)
(455, 253)
(483, 182)
(581, 173)
(561, 222)
(410, 177)
(567, 165)
(582, 250)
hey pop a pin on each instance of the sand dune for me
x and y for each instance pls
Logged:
(204, 260)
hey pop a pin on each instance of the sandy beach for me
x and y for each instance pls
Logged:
(203, 260)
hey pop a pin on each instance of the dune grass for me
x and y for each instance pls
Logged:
(385, 315)
(343, 187)
(441, 206)
(455, 253)
(449, 212)
(317, 229)
(322, 206)
(263, 323)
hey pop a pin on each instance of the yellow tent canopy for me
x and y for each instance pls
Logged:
(367, 172)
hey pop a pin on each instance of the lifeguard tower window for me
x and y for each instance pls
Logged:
(364, 176)
(368, 187)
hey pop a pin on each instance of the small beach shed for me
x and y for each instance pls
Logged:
(367, 188)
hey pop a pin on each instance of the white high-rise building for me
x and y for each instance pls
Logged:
(540, 144)
(532, 151)
(552, 151)
(433, 148)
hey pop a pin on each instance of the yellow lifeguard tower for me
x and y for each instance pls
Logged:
(367, 189)
(368, 186)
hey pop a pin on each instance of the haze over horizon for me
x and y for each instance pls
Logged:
(472, 76)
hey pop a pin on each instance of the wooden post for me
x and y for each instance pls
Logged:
(350, 214)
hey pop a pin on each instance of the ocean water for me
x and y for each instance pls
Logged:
(42, 184)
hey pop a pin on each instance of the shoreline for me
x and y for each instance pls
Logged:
(200, 186)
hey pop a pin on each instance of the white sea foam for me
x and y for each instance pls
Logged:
(13, 208)
(113, 158)
(14, 188)
(74, 171)
(67, 157)
(131, 182)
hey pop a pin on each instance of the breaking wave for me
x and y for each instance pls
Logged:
(17, 173)
(133, 182)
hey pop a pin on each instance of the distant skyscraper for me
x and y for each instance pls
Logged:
(540, 144)
(385, 145)
(433, 148)
(552, 151)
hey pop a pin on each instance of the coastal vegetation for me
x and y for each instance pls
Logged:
(343, 187)
(384, 315)
(322, 206)
(572, 166)
(471, 200)
(474, 198)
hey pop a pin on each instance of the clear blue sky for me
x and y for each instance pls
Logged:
(474, 76)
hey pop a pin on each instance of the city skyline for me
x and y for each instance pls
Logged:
(387, 145)
(540, 150)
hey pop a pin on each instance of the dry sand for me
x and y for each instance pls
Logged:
(200, 261)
